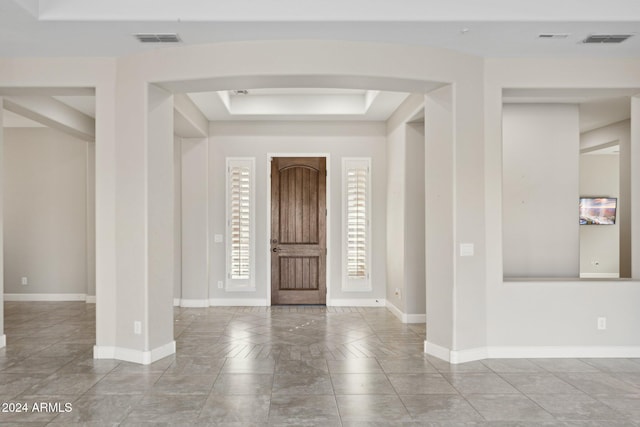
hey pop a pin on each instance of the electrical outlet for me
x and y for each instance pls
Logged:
(137, 327)
(398, 292)
(220, 284)
(24, 281)
(602, 323)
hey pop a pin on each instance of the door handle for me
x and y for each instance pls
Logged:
(275, 250)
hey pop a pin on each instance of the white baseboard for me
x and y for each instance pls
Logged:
(404, 317)
(468, 355)
(416, 318)
(257, 302)
(3, 341)
(395, 310)
(456, 356)
(437, 351)
(356, 302)
(194, 303)
(519, 352)
(90, 299)
(45, 297)
(134, 356)
(530, 352)
(238, 302)
(599, 275)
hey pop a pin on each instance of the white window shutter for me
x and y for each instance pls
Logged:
(357, 212)
(240, 212)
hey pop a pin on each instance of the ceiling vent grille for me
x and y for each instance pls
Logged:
(158, 38)
(606, 38)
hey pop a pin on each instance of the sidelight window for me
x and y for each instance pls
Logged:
(356, 224)
(240, 224)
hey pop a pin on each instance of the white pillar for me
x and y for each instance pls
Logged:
(635, 187)
(160, 234)
(3, 337)
(439, 222)
(195, 213)
(142, 303)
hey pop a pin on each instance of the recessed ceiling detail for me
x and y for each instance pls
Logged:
(298, 104)
(157, 38)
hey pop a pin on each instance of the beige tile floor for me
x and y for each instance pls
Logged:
(293, 366)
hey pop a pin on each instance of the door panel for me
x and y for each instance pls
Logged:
(298, 230)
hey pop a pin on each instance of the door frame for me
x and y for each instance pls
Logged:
(327, 156)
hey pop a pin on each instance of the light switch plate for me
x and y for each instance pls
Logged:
(466, 249)
(217, 238)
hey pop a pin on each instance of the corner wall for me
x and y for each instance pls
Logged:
(620, 132)
(406, 288)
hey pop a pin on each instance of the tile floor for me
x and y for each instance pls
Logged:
(293, 366)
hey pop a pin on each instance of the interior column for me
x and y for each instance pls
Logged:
(3, 337)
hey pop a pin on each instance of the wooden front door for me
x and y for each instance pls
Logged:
(298, 230)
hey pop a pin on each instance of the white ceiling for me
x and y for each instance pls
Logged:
(495, 28)
(490, 28)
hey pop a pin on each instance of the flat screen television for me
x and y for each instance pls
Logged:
(598, 210)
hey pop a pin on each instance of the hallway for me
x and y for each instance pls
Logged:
(311, 365)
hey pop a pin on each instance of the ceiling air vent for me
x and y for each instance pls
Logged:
(158, 38)
(553, 35)
(606, 38)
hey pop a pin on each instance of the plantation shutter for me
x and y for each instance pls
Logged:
(357, 219)
(240, 206)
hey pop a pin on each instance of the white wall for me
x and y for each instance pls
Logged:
(177, 218)
(554, 318)
(405, 210)
(3, 337)
(123, 153)
(600, 244)
(45, 212)
(620, 132)
(194, 222)
(396, 194)
(256, 139)
(415, 220)
(540, 144)
(91, 219)
(159, 233)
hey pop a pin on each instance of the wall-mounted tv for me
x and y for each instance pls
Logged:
(598, 210)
